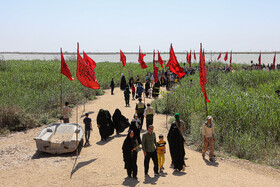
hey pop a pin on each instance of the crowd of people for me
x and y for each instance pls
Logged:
(152, 147)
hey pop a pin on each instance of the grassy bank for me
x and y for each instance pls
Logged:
(245, 109)
(30, 90)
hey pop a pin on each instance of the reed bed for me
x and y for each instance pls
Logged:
(245, 109)
(30, 90)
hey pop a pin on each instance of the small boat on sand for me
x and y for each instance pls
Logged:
(60, 138)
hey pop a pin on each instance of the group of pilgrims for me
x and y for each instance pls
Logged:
(133, 143)
(148, 143)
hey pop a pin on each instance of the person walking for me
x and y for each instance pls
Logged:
(88, 128)
(112, 85)
(139, 110)
(127, 95)
(139, 90)
(208, 133)
(133, 91)
(135, 126)
(129, 148)
(149, 147)
(65, 113)
(176, 144)
(149, 115)
(161, 152)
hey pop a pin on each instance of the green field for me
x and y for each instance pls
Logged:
(245, 109)
(30, 90)
(244, 104)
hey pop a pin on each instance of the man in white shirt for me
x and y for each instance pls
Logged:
(208, 133)
(65, 113)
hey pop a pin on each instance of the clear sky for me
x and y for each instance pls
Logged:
(111, 25)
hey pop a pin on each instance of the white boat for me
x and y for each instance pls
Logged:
(60, 138)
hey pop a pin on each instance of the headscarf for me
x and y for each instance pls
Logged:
(177, 118)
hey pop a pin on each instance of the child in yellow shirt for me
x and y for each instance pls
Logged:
(161, 151)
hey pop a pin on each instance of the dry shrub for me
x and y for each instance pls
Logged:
(13, 118)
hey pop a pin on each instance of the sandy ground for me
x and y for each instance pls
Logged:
(101, 164)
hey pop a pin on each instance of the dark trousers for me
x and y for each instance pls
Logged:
(133, 95)
(65, 120)
(112, 90)
(132, 168)
(149, 122)
(87, 135)
(154, 157)
(141, 117)
(126, 102)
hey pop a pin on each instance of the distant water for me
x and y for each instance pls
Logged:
(133, 57)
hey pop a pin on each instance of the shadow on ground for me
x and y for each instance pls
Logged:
(80, 165)
(150, 180)
(215, 164)
(105, 142)
(130, 182)
(179, 173)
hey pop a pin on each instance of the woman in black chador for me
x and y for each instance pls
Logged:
(130, 146)
(127, 96)
(110, 123)
(123, 82)
(176, 146)
(102, 124)
(135, 126)
(120, 122)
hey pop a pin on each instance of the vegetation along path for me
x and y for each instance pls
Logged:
(101, 164)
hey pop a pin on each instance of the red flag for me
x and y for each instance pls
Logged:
(202, 74)
(85, 74)
(141, 60)
(160, 60)
(155, 68)
(226, 57)
(123, 58)
(174, 65)
(194, 56)
(64, 68)
(189, 59)
(274, 59)
(204, 68)
(219, 56)
(89, 62)
(260, 59)
(230, 59)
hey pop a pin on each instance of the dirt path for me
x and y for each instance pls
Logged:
(101, 164)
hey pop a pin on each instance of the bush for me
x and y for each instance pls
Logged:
(244, 106)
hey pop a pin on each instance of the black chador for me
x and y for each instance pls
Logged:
(120, 122)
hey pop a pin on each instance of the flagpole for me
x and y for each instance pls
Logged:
(77, 106)
(166, 108)
(60, 89)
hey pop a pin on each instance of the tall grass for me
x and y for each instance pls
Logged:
(245, 109)
(30, 90)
